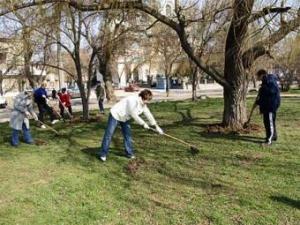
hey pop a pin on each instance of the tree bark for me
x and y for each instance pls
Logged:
(107, 78)
(84, 96)
(234, 114)
(167, 85)
(194, 83)
(1, 83)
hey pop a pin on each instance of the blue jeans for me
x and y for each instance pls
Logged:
(110, 129)
(26, 134)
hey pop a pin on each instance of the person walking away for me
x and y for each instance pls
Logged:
(100, 93)
(65, 102)
(19, 119)
(41, 99)
(268, 100)
(121, 113)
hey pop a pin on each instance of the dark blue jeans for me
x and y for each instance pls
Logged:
(110, 129)
(100, 103)
(26, 134)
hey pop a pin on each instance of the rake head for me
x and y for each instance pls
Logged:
(194, 150)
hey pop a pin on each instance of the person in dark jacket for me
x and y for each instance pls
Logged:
(268, 100)
(41, 99)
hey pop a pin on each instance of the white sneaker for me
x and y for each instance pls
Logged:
(103, 158)
(132, 157)
(54, 121)
(43, 126)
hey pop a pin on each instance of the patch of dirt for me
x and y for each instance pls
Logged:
(220, 129)
(251, 128)
(133, 166)
(39, 142)
(248, 158)
(76, 120)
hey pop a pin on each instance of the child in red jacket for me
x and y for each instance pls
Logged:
(65, 101)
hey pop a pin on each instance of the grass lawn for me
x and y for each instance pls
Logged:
(233, 180)
(294, 91)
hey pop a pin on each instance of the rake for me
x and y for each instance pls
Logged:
(194, 150)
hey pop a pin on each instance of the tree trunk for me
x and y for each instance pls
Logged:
(28, 75)
(254, 82)
(104, 69)
(194, 79)
(235, 115)
(167, 85)
(84, 100)
(109, 90)
(1, 82)
(235, 110)
(83, 94)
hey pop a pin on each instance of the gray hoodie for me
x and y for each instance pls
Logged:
(22, 104)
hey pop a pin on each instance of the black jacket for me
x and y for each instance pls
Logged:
(268, 97)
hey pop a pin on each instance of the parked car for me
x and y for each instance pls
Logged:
(3, 102)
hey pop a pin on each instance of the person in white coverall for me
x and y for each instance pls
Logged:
(19, 118)
(129, 107)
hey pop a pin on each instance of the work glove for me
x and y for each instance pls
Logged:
(159, 130)
(35, 117)
(27, 114)
(146, 126)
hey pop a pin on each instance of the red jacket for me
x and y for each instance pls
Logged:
(65, 98)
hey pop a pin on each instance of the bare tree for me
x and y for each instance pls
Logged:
(286, 61)
(166, 45)
(238, 57)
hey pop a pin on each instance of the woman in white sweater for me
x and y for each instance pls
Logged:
(121, 113)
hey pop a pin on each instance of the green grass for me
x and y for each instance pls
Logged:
(294, 91)
(232, 181)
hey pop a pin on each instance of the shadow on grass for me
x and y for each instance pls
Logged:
(215, 186)
(231, 136)
(94, 152)
(287, 201)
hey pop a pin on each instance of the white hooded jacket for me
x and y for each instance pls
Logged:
(132, 107)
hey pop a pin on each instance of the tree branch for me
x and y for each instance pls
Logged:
(259, 49)
(137, 4)
(267, 11)
(53, 66)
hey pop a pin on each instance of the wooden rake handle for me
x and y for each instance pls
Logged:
(174, 138)
(65, 108)
(52, 129)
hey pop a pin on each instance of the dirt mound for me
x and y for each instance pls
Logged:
(133, 166)
(76, 120)
(220, 129)
(39, 142)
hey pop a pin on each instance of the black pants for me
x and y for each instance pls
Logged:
(101, 106)
(62, 110)
(45, 108)
(270, 126)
